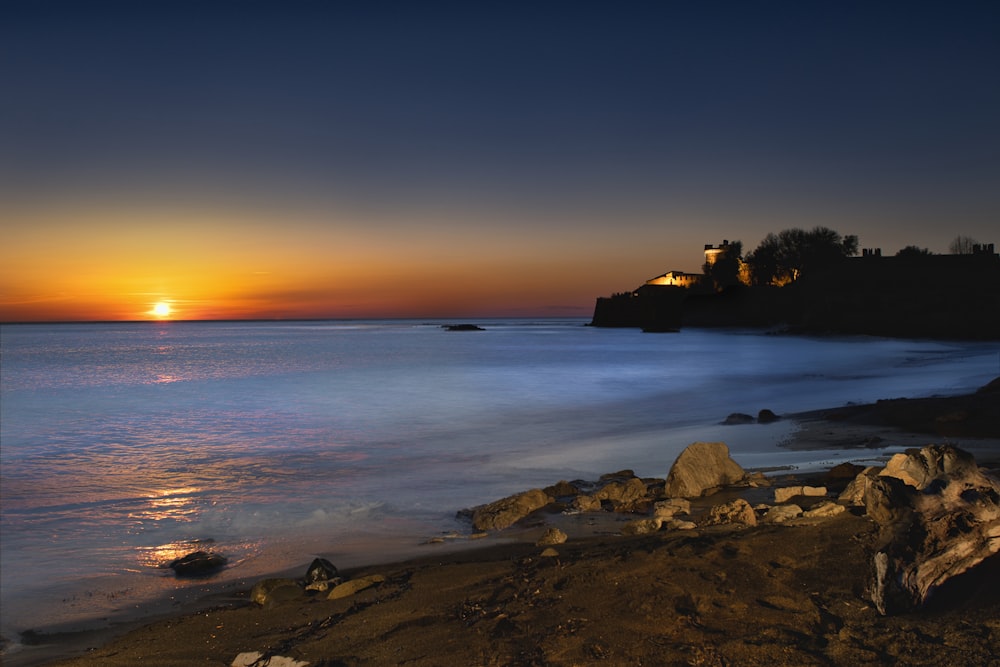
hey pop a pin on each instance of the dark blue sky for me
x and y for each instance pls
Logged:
(638, 130)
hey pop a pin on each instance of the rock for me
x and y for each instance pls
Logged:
(549, 553)
(507, 511)
(784, 493)
(824, 509)
(854, 492)
(933, 530)
(844, 471)
(197, 564)
(737, 511)
(667, 509)
(641, 526)
(586, 504)
(561, 489)
(352, 586)
(552, 536)
(781, 513)
(765, 416)
(738, 418)
(919, 467)
(622, 495)
(275, 590)
(321, 570)
(462, 327)
(257, 659)
(678, 524)
(700, 468)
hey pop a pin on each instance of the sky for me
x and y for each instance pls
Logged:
(305, 159)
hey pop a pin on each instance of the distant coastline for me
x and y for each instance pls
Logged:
(925, 296)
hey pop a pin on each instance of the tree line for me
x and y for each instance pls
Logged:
(784, 257)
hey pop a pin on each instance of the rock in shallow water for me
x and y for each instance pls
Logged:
(508, 511)
(197, 564)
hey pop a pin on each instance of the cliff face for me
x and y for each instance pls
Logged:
(651, 308)
(936, 296)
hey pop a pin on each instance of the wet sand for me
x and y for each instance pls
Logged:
(787, 594)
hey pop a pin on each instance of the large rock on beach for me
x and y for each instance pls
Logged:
(942, 524)
(701, 468)
(507, 511)
(198, 564)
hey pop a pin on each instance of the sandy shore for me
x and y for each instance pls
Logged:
(788, 594)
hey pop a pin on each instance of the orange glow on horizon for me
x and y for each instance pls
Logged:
(81, 264)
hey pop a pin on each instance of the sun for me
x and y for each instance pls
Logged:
(161, 309)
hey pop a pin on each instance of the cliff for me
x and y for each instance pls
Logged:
(932, 296)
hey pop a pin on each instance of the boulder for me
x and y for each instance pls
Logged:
(667, 509)
(765, 416)
(702, 467)
(641, 526)
(352, 586)
(269, 591)
(784, 493)
(737, 511)
(197, 564)
(931, 531)
(585, 503)
(552, 536)
(508, 511)
(823, 510)
(321, 570)
(919, 467)
(624, 494)
(855, 491)
(781, 513)
(678, 524)
(561, 489)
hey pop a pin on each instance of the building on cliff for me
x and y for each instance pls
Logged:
(939, 296)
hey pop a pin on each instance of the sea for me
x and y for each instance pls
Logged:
(126, 445)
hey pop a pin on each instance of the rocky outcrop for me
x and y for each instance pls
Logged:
(507, 511)
(939, 515)
(700, 469)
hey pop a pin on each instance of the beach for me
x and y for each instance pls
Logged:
(785, 594)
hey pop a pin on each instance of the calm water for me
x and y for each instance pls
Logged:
(123, 443)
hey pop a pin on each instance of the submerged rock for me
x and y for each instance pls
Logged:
(701, 468)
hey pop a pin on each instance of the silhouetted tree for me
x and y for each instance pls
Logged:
(782, 258)
(913, 251)
(962, 245)
(725, 271)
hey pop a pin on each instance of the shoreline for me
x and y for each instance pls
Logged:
(870, 429)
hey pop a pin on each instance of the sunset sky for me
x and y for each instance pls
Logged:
(287, 159)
